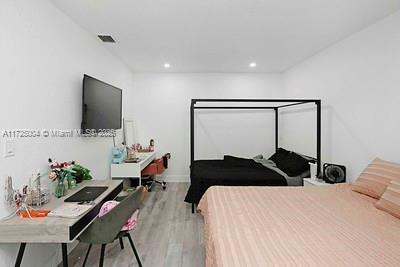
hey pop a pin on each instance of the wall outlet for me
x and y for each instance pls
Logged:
(9, 148)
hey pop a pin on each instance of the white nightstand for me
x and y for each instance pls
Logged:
(311, 182)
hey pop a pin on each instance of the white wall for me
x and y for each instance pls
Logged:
(298, 128)
(358, 80)
(161, 105)
(43, 56)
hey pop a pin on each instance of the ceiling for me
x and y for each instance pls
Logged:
(222, 35)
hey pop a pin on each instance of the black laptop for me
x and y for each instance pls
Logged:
(87, 194)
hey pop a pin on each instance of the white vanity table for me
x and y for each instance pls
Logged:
(132, 170)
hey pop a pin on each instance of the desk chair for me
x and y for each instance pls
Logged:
(107, 229)
(156, 168)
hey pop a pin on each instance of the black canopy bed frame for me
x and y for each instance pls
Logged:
(279, 105)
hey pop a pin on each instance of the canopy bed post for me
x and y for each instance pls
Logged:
(193, 102)
(318, 103)
(192, 130)
(276, 129)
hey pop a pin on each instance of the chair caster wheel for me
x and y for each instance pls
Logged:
(149, 190)
(164, 187)
(164, 183)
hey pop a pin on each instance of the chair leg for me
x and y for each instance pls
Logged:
(121, 243)
(134, 249)
(103, 249)
(20, 254)
(87, 255)
(64, 254)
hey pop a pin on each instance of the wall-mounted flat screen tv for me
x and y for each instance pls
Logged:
(102, 105)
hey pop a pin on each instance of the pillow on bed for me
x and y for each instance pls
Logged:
(390, 200)
(279, 156)
(376, 177)
(291, 163)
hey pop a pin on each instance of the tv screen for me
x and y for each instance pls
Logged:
(102, 105)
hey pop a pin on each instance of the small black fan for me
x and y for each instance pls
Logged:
(334, 173)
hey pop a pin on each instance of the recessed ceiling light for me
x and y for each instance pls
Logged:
(167, 65)
(253, 65)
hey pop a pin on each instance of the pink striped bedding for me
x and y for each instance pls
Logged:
(287, 226)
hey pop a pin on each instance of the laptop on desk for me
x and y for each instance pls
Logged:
(87, 194)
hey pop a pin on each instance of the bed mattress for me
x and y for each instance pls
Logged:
(297, 226)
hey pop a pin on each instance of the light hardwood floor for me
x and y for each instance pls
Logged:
(168, 235)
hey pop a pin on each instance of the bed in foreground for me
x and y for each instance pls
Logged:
(287, 226)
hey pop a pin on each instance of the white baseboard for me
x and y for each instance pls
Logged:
(177, 178)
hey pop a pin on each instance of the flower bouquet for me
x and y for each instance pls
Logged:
(67, 174)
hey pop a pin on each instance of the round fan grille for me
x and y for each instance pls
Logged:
(334, 174)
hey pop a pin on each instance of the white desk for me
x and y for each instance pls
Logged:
(132, 170)
(56, 229)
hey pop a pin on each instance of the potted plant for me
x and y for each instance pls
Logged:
(67, 174)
